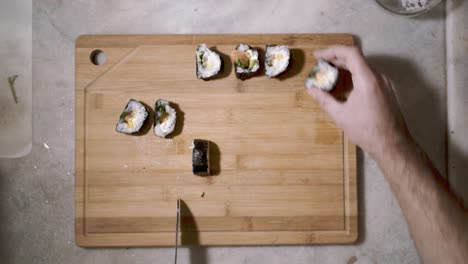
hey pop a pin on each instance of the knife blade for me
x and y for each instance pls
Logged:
(177, 231)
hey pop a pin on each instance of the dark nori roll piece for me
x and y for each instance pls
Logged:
(201, 157)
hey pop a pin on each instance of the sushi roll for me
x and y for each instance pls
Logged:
(164, 118)
(324, 76)
(209, 63)
(201, 157)
(277, 59)
(245, 61)
(132, 118)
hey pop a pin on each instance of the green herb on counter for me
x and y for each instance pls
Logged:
(11, 81)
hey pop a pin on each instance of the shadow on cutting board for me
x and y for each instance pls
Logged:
(295, 65)
(226, 66)
(215, 159)
(191, 236)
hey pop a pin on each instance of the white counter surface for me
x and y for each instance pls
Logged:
(37, 191)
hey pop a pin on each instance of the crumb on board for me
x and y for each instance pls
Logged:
(203, 195)
(46, 146)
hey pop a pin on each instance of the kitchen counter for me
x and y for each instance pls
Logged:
(36, 192)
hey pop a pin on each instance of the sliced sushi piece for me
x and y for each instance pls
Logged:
(209, 63)
(132, 118)
(277, 59)
(245, 61)
(164, 118)
(324, 76)
(201, 157)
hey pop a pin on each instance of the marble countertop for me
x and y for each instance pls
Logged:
(36, 192)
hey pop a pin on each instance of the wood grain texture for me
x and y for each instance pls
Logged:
(285, 173)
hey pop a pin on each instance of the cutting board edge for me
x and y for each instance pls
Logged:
(135, 40)
(269, 238)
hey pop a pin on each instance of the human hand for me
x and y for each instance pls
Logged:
(370, 117)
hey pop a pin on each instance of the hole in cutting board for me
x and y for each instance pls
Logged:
(98, 57)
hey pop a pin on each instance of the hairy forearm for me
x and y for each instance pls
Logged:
(438, 224)
(371, 118)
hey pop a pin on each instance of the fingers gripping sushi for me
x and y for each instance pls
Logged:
(164, 118)
(277, 59)
(245, 61)
(132, 118)
(209, 63)
(323, 76)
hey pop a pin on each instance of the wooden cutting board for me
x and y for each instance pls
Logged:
(284, 173)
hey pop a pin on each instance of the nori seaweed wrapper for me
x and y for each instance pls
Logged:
(201, 157)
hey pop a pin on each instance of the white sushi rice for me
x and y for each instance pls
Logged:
(325, 76)
(165, 128)
(278, 65)
(253, 58)
(212, 65)
(139, 115)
